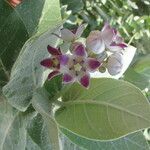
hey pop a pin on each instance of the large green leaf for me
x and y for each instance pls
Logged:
(42, 104)
(17, 25)
(131, 142)
(38, 132)
(27, 73)
(13, 127)
(138, 79)
(39, 16)
(13, 35)
(108, 109)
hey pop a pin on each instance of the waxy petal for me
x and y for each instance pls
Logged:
(63, 59)
(47, 63)
(108, 35)
(85, 80)
(115, 64)
(80, 30)
(92, 64)
(53, 51)
(67, 35)
(53, 74)
(67, 78)
(114, 47)
(95, 43)
(79, 49)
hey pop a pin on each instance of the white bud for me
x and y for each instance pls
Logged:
(95, 43)
(115, 63)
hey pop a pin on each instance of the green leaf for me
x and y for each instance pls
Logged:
(42, 104)
(37, 130)
(143, 65)
(17, 25)
(130, 142)
(108, 109)
(73, 5)
(13, 35)
(27, 73)
(39, 15)
(13, 126)
(139, 80)
(53, 87)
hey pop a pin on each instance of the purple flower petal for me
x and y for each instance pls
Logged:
(63, 59)
(93, 64)
(79, 49)
(85, 81)
(67, 78)
(53, 74)
(74, 30)
(53, 51)
(122, 45)
(47, 63)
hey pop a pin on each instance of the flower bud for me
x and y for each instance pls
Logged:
(115, 63)
(95, 43)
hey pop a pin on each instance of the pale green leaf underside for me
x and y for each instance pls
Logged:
(109, 109)
(27, 73)
(134, 141)
(42, 104)
(12, 127)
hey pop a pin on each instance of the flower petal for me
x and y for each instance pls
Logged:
(53, 74)
(95, 43)
(80, 30)
(115, 63)
(47, 63)
(92, 64)
(67, 78)
(67, 35)
(85, 80)
(63, 59)
(53, 51)
(114, 47)
(108, 34)
(79, 49)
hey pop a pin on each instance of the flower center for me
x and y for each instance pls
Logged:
(77, 67)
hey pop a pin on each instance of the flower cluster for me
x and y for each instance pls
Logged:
(101, 49)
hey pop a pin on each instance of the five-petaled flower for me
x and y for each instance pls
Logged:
(77, 66)
(74, 67)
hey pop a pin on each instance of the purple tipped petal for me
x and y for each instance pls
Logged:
(74, 30)
(93, 64)
(85, 81)
(53, 74)
(53, 51)
(67, 35)
(122, 45)
(63, 59)
(67, 78)
(47, 63)
(80, 50)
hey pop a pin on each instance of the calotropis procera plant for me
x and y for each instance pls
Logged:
(59, 114)
(102, 49)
